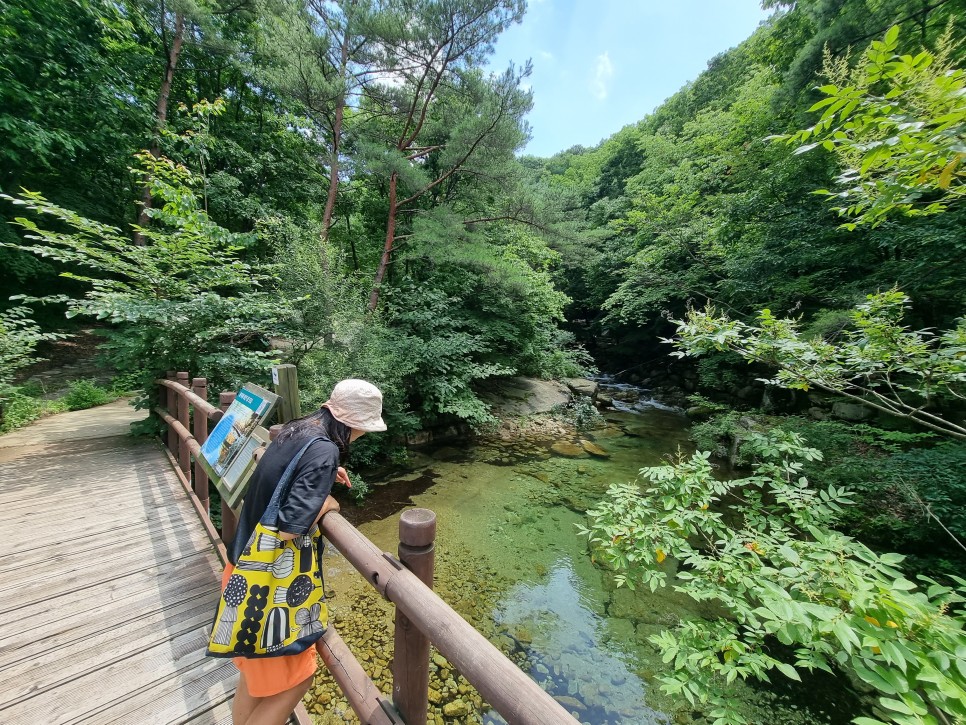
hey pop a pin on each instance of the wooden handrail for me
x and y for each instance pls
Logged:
(183, 433)
(364, 697)
(213, 413)
(421, 616)
(501, 683)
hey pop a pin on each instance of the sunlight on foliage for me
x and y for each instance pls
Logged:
(897, 124)
(878, 362)
(762, 548)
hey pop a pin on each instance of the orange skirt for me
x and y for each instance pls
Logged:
(267, 676)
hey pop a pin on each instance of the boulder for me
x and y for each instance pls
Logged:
(524, 396)
(851, 411)
(817, 414)
(581, 386)
(699, 412)
(568, 450)
(594, 449)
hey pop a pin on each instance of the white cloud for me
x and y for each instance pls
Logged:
(546, 55)
(602, 76)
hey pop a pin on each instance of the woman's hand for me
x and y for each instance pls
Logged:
(330, 504)
(342, 477)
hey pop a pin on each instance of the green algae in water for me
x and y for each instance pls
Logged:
(509, 560)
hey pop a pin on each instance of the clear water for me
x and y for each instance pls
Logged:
(510, 561)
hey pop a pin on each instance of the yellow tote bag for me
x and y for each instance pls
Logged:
(273, 604)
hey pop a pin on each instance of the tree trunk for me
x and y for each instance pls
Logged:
(333, 171)
(336, 142)
(161, 114)
(387, 250)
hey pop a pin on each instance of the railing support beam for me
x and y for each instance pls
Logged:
(171, 407)
(199, 426)
(508, 689)
(361, 692)
(183, 415)
(410, 662)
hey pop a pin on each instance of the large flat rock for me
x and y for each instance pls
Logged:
(524, 396)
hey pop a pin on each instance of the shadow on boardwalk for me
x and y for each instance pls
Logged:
(108, 582)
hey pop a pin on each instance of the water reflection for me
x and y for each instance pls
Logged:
(571, 652)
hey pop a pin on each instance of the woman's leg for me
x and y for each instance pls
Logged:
(244, 704)
(276, 709)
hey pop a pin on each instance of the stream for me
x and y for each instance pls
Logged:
(509, 560)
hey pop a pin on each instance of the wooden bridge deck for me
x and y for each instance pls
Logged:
(107, 581)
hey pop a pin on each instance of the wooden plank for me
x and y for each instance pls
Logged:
(78, 520)
(21, 475)
(81, 546)
(119, 638)
(126, 483)
(177, 699)
(36, 594)
(34, 586)
(168, 535)
(218, 715)
(92, 693)
(114, 588)
(30, 637)
(82, 495)
(65, 662)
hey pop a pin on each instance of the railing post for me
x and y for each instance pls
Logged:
(287, 387)
(199, 386)
(182, 414)
(410, 663)
(169, 405)
(229, 522)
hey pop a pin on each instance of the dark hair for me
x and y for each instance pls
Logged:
(320, 422)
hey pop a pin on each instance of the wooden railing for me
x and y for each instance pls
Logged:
(422, 618)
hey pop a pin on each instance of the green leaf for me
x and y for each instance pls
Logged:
(788, 671)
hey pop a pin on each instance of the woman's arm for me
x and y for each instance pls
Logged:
(330, 504)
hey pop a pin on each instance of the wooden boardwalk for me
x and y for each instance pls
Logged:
(107, 581)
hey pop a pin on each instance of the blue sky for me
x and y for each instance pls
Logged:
(599, 65)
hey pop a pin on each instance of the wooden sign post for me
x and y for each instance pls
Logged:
(286, 380)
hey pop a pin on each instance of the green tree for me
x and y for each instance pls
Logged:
(441, 117)
(878, 362)
(897, 125)
(181, 301)
(772, 562)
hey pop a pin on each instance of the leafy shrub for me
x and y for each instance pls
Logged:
(580, 412)
(18, 407)
(184, 300)
(723, 371)
(83, 394)
(904, 493)
(360, 489)
(362, 348)
(773, 563)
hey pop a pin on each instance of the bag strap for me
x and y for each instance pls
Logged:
(270, 517)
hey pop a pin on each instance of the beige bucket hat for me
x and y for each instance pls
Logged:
(357, 404)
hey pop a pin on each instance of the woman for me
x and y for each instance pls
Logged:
(270, 688)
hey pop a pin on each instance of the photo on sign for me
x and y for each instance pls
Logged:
(230, 437)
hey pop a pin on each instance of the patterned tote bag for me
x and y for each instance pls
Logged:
(273, 603)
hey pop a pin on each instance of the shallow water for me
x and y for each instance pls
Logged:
(510, 561)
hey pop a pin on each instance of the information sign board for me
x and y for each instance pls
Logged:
(228, 452)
